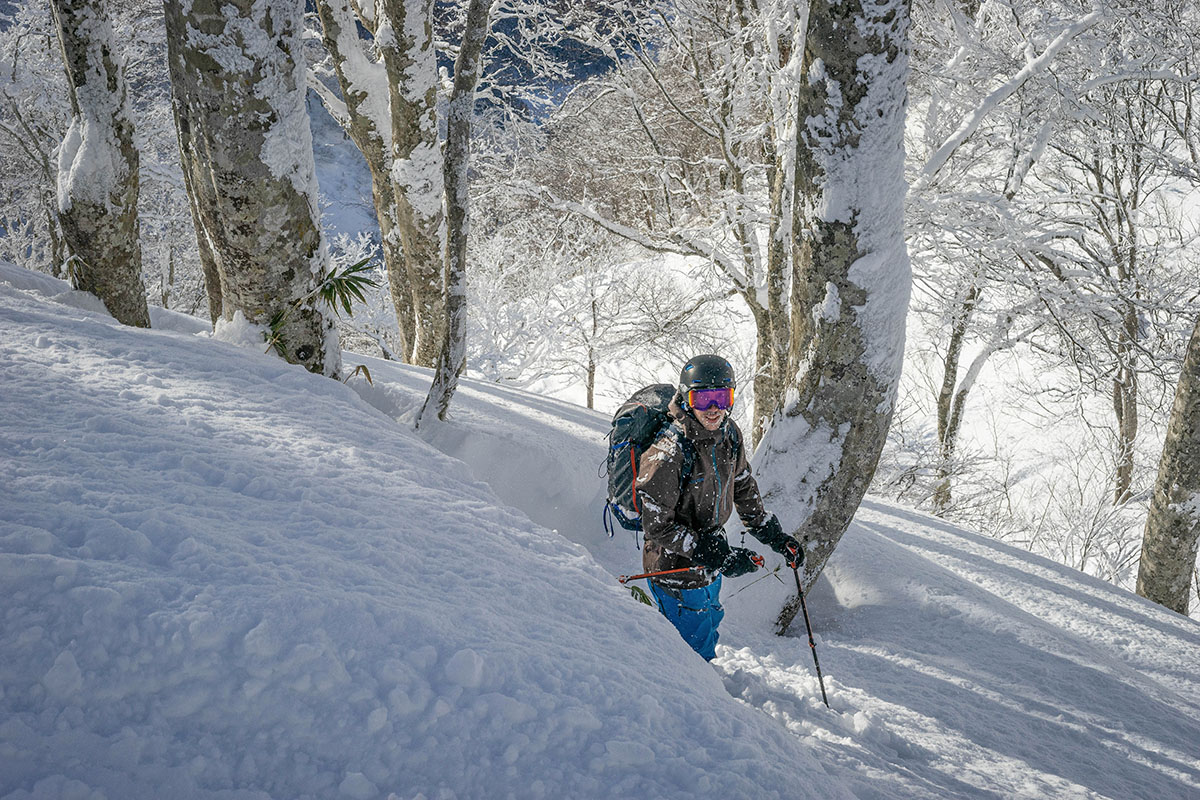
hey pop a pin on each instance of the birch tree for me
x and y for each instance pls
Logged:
(34, 111)
(467, 69)
(382, 54)
(554, 296)
(388, 107)
(1172, 532)
(698, 155)
(966, 167)
(1170, 540)
(239, 98)
(98, 165)
(851, 278)
(1037, 147)
(1101, 264)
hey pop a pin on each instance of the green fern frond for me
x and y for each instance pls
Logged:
(640, 595)
(274, 333)
(341, 289)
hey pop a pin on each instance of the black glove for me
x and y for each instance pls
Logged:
(711, 549)
(771, 534)
(794, 554)
(740, 561)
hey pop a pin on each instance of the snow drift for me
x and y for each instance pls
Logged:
(226, 578)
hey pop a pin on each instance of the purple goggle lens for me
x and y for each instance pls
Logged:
(704, 399)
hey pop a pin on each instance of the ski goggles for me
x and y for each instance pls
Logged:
(704, 399)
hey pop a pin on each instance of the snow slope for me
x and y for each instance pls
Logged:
(224, 577)
(956, 666)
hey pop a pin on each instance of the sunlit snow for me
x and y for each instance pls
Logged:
(225, 577)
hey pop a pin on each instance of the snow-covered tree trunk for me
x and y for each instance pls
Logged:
(364, 113)
(405, 38)
(98, 165)
(852, 276)
(240, 108)
(188, 149)
(1172, 532)
(951, 399)
(467, 69)
(711, 140)
(187, 157)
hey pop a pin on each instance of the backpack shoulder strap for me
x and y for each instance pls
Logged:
(688, 448)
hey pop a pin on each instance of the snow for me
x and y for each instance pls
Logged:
(368, 77)
(226, 577)
(419, 176)
(1033, 65)
(91, 166)
(240, 331)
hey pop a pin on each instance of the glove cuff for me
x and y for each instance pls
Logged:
(711, 549)
(770, 533)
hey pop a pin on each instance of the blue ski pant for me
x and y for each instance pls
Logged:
(696, 613)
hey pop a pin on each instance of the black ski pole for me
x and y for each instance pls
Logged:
(811, 643)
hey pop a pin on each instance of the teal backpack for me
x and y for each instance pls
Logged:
(637, 424)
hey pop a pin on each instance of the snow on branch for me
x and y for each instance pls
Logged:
(1010, 87)
(329, 98)
(679, 243)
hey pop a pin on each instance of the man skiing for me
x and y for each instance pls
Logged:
(683, 523)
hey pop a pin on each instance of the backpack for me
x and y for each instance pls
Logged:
(636, 426)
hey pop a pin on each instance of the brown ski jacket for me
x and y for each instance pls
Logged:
(674, 516)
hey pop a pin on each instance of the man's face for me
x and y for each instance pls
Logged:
(712, 418)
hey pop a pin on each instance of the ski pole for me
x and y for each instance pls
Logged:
(757, 559)
(812, 644)
(628, 578)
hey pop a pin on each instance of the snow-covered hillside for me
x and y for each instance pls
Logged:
(225, 577)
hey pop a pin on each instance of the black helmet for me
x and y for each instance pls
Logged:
(706, 372)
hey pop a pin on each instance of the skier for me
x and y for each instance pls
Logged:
(684, 524)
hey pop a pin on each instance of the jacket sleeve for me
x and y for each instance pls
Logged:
(658, 495)
(745, 490)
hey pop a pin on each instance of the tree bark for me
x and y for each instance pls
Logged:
(240, 108)
(187, 160)
(1125, 396)
(949, 402)
(364, 84)
(98, 165)
(467, 69)
(406, 41)
(590, 377)
(851, 275)
(1169, 543)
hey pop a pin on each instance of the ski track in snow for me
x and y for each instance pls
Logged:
(982, 671)
(224, 577)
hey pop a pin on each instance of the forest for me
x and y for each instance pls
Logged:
(952, 244)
